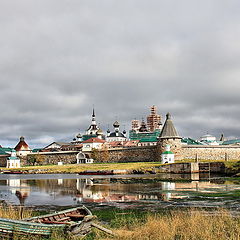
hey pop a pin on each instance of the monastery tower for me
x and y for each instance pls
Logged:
(169, 136)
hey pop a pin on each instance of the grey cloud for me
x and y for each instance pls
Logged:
(58, 58)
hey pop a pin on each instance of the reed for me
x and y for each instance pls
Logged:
(181, 225)
(14, 212)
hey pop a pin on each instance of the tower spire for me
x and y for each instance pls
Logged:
(93, 117)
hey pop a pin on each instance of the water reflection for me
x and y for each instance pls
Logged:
(101, 190)
(20, 188)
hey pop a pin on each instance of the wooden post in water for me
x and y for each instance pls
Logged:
(196, 158)
(226, 157)
(21, 211)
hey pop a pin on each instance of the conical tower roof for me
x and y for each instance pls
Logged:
(169, 131)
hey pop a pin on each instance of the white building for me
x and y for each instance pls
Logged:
(167, 156)
(83, 158)
(22, 148)
(55, 146)
(13, 161)
(92, 143)
(209, 140)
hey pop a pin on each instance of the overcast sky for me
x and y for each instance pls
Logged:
(59, 57)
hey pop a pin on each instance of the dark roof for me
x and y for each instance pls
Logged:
(118, 134)
(169, 131)
(92, 127)
(143, 127)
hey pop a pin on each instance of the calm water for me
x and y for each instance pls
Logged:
(131, 191)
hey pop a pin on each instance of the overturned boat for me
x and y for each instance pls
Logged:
(77, 221)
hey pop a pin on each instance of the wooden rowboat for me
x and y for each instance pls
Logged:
(77, 221)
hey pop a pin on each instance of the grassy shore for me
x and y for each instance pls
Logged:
(178, 225)
(167, 225)
(233, 167)
(75, 168)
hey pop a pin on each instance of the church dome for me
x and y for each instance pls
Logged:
(143, 127)
(99, 132)
(116, 124)
(79, 135)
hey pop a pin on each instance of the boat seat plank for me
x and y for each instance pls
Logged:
(55, 222)
(76, 215)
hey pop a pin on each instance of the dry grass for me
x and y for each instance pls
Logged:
(14, 212)
(182, 225)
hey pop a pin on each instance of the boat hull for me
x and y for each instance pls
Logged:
(76, 221)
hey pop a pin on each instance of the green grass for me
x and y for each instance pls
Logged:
(233, 167)
(75, 168)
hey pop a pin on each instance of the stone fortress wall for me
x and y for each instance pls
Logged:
(48, 158)
(133, 154)
(206, 152)
(185, 152)
(149, 154)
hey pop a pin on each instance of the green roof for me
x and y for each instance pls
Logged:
(86, 137)
(144, 136)
(36, 150)
(190, 141)
(13, 158)
(167, 152)
(233, 141)
(2, 152)
(153, 139)
(7, 149)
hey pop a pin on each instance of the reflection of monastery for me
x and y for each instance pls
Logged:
(20, 188)
(104, 191)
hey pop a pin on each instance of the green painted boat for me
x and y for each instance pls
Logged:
(77, 221)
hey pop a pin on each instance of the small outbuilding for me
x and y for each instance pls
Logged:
(13, 161)
(167, 156)
(83, 158)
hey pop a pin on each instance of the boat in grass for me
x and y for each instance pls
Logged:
(77, 221)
